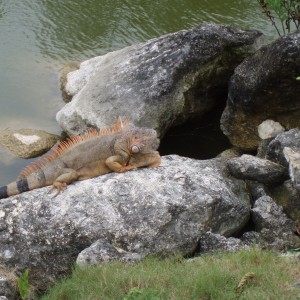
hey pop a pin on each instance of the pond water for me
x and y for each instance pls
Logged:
(39, 37)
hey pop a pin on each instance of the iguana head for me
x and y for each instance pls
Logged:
(140, 139)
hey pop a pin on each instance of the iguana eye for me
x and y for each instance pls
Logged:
(135, 149)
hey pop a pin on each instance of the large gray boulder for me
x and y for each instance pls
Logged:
(162, 211)
(159, 83)
(264, 86)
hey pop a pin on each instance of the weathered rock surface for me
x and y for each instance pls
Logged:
(254, 168)
(159, 83)
(284, 149)
(145, 211)
(216, 242)
(250, 238)
(27, 143)
(287, 196)
(264, 86)
(230, 153)
(102, 250)
(273, 225)
(63, 79)
(293, 158)
(290, 139)
(257, 189)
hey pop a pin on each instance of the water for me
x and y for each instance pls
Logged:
(38, 37)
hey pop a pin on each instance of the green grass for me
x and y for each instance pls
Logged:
(205, 277)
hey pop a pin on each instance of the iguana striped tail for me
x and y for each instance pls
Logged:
(14, 188)
(33, 181)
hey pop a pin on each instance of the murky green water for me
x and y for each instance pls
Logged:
(37, 37)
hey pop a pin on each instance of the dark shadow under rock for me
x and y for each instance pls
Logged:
(199, 139)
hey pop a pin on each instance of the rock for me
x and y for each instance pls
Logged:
(251, 238)
(275, 148)
(159, 83)
(293, 158)
(255, 168)
(6, 291)
(63, 79)
(101, 251)
(257, 189)
(147, 211)
(231, 153)
(264, 86)
(268, 129)
(27, 143)
(216, 242)
(8, 282)
(263, 148)
(273, 225)
(287, 196)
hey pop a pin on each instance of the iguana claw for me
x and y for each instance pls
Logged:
(60, 186)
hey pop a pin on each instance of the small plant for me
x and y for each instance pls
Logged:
(24, 286)
(133, 293)
(141, 294)
(286, 11)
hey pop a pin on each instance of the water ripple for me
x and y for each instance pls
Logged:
(71, 30)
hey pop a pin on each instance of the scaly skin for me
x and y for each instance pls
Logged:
(118, 149)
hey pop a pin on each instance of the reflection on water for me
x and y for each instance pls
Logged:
(39, 37)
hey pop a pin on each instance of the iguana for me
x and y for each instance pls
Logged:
(120, 148)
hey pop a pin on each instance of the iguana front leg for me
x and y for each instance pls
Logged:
(137, 160)
(150, 160)
(118, 163)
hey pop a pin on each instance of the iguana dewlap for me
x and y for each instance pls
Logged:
(120, 148)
